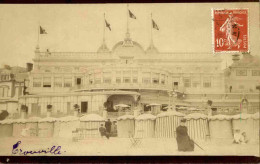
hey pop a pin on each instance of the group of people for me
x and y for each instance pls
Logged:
(184, 142)
(108, 129)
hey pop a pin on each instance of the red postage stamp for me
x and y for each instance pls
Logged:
(230, 30)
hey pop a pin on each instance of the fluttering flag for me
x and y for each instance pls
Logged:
(155, 26)
(42, 30)
(108, 25)
(131, 15)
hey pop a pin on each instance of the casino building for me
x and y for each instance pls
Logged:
(128, 74)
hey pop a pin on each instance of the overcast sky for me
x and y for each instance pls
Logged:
(183, 27)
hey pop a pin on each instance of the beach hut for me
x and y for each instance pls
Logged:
(144, 126)
(46, 127)
(166, 124)
(197, 125)
(125, 126)
(18, 127)
(220, 127)
(256, 126)
(89, 124)
(32, 125)
(6, 128)
(67, 125)
(244, 122)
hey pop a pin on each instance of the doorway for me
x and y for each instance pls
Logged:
(84, 107)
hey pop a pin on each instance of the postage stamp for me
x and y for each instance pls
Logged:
(230, 30)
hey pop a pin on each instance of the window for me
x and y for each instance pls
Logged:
(135, 80)
(175, 85)
(195, 82)
(118, 77)
(47, 82)
(67, 82)
(207, 82)
(118, 80)
(98, 78)
(37, 82)
(186, 82)
(57, 82)
(78, 81)
(255, 72)
(127, 80)
(107, 77)
(155, 77)
(5, 90)
(135, 76)
(146, 77)
(163, 79)
(241, 72)
(127, 76)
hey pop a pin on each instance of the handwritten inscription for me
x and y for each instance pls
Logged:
(55, 150)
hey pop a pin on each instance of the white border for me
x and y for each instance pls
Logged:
(213, 33)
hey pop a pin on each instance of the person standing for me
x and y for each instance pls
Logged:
(103, 131)
(183, 140)
(108, 126)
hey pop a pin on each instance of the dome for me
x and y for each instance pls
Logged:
(128, 50)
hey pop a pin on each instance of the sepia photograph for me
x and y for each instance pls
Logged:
(168, 79)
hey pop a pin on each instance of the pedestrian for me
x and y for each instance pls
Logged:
(108, 126)
(183, 140)
(103, 131)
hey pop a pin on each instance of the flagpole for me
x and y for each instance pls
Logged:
(151, 29)
(104, 28)
(127, 13)
(38, 42)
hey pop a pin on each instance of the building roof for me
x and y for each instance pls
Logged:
(247, 60)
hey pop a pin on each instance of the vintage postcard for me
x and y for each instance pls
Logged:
(130, 79)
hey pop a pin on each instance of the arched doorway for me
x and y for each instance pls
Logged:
(119, 99)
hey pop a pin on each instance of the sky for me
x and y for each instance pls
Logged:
(79, 28)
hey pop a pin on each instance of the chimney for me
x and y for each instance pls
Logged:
(29, 67)
(235, 58)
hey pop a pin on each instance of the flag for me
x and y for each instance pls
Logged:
(108, 25)
(155, 26)
(42, 30)
(131, 15)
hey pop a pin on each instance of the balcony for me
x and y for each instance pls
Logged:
(121, 86)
